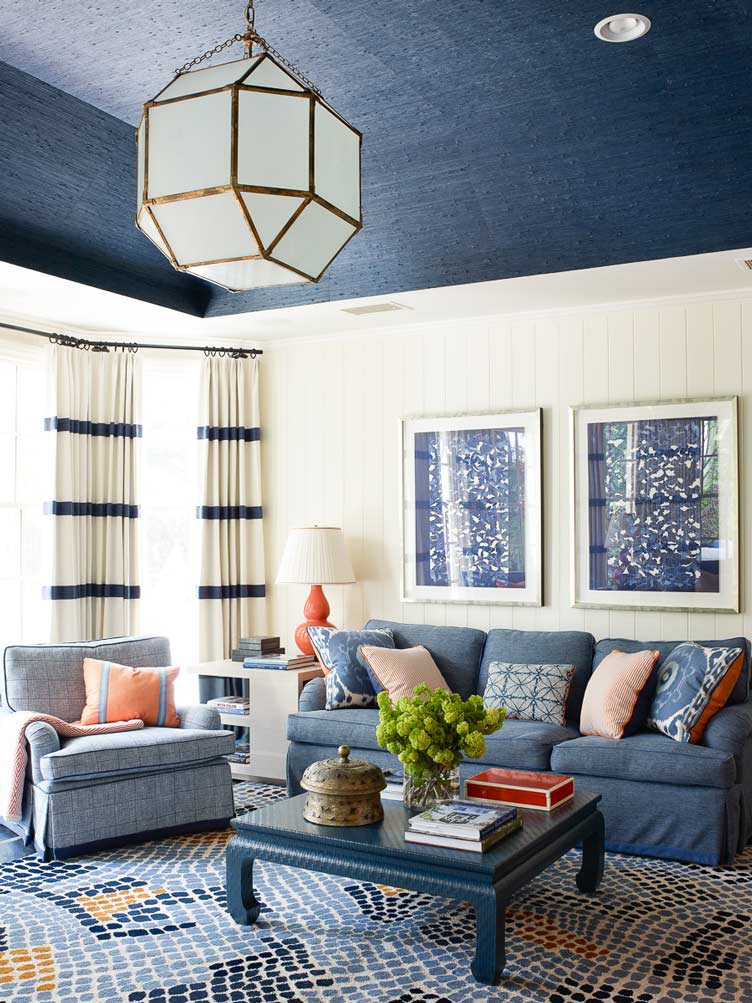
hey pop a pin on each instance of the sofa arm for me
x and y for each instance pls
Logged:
(200, 716)
(313, 695)
(42, 740)
(730, 730)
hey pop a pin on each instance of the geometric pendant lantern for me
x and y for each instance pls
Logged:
(247, 177)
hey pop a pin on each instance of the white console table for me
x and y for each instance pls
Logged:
(273, 695)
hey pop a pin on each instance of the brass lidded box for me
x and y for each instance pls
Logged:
(343, 792)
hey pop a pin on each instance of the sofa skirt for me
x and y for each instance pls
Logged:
(701, 825)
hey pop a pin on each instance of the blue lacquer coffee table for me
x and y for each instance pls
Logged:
(379, 853)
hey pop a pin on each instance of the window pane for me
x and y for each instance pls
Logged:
(10, 613)
(7, 468)
(7, 397)
(32, 468)
(10, 543)
(31, 399)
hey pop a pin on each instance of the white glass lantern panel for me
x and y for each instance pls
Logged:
(268, 74)
(212, 228)
(197, 81)
(256, 274)
(313, 240)
(189, 145)
(270, 212)
(141, 144)
(336, 169)
(273, 134)
(148, 226)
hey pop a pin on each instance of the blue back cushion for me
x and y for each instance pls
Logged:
(543, 647)
(741, 689)
(456, 650)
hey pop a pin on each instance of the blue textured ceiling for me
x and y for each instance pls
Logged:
(500, 138)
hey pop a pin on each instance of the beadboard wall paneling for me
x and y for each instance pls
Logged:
(331, 449)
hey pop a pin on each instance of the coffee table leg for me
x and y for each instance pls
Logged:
(591, 871)
(488, 963)
(241, 902)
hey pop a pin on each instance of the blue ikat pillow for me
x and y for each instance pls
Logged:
(348, 683)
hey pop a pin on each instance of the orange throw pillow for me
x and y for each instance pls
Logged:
(119, 693)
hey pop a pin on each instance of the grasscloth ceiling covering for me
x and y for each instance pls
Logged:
(501, 138)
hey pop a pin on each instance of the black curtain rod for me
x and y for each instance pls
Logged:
(69, 341)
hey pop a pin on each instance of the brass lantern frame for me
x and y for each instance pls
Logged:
(308, 195)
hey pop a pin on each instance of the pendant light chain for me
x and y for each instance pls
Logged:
(250, 38)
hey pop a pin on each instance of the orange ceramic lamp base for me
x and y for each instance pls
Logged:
(316, 612)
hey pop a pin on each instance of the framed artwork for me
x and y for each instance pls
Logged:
(471, 508)
(655, 506)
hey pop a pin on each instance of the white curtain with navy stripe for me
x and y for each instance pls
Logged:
(231, 588)
(94, 411)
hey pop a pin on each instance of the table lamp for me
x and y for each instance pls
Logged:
(315, 556)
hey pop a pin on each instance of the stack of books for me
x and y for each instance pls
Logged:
(242, 753)
(395, 782)
(254, 647)
(523, 788)
(282, 662)
(459, 825)
(230, 704)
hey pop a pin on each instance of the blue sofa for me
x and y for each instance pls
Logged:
(661, 798)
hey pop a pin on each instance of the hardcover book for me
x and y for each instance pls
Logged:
(523, 788)
(462, 820)
(472, 845)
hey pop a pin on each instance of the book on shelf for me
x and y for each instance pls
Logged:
(230, 704)
(240, 654)
(265, 642)
(522, 788)
(461, 820)
(470, 845)
(278, 662)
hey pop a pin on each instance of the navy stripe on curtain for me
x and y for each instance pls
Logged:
(102, 510)
(105, 428)
(92, 590)
(228, 433)
(231, 591)
(229, 512)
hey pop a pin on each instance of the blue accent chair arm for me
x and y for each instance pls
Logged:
(199, 716)
(42, 739)
(730, 730)
(313, 695)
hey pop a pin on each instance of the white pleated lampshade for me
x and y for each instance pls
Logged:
(315, 555)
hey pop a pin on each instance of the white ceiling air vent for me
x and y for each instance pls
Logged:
(360, 311)
(744, 263)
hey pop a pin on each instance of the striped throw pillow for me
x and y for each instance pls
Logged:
(399, 670)
(612, 695)
(119, 693)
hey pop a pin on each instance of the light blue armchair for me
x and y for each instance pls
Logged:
(86, 793)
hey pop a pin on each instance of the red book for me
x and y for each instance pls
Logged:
(523, 788)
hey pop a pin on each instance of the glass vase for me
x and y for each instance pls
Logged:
(434, 789)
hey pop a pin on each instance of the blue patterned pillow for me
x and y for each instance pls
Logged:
(348, 683)
(693, 684)
(529, 692)
(319, 637)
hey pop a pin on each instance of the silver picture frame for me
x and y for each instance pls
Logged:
(727, 597)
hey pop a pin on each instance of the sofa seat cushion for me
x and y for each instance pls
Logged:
(355, 726)
(522, 745)
(525, 745)
(134, 751)
(645, 757)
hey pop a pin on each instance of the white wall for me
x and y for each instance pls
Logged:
(331, 443)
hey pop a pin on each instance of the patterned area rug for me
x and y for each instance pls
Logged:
(148, 924)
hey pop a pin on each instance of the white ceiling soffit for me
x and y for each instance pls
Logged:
(35, 298)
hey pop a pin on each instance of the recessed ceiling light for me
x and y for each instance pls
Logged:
(622, 27)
